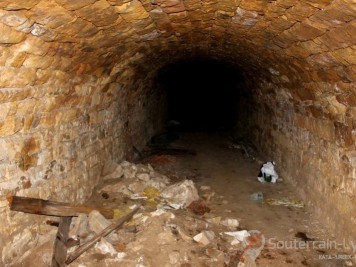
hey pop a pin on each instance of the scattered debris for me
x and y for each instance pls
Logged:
(81, 249)
(230, 223)
(245, 146)
(104, 247)
(284, 202)
(256, 196)
(253, 245)
(267, 173)
(199, 207)
(182, 233)
(204, 238)
(138, 182)
(98, 223)
(137, 185)
(208, 196)
(180, 194)
(214, 220)
(238, 235)
(129, 170)
(217, 256)
(112, 171)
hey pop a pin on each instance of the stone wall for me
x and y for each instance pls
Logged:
(56, 136)
(312, 139)
(76, 89)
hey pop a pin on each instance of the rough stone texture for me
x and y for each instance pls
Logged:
(77, 88)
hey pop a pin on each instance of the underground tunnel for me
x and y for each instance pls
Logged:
(85, 85)
(202, 93)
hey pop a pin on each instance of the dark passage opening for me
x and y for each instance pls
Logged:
(202, 93)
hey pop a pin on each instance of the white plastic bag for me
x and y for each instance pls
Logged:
(267, 173)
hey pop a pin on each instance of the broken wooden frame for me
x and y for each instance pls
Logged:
(53, 208)
(60, 245)
(66, 211)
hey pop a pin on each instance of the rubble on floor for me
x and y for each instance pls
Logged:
(199, 207)
(164, 232)
(245, 146)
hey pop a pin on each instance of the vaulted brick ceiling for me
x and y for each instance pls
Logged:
(308, 39)
(77, 89)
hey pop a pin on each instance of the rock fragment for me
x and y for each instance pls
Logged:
(182, 193)
(204, 238)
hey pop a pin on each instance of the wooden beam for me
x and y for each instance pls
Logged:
(60, 244)
(53, 208)
(81, 249)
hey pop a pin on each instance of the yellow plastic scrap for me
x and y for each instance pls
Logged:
(152, 203)
(284, 202)
(118, 213)
(151, 192)
(152, 195)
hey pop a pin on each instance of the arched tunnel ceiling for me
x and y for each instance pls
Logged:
(308, 39)
(78, 89)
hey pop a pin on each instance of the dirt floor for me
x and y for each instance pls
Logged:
(232, 177)
(225, 180)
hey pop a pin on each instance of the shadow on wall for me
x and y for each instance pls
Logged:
(203, 94)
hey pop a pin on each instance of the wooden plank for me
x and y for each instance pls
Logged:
(53, 208)
(80, 250)
(60, 244)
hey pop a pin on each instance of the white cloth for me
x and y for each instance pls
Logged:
(268, 170)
